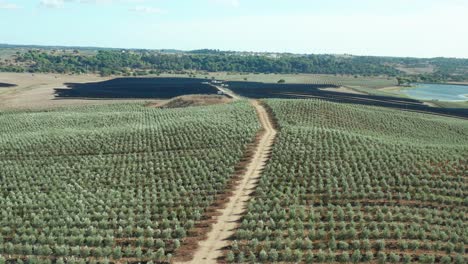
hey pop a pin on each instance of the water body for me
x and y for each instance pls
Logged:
(441, 92)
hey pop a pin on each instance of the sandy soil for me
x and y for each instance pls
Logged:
(37, 90)
(341, 90)
(392, 88)
(210, 249)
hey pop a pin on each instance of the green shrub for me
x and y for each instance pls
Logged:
(230, 257)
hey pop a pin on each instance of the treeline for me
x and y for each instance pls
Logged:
(443, 69)
(436, 77)
(125, 62)
(140, 62)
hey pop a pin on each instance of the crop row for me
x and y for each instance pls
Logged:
(355, 183)
(113, 183)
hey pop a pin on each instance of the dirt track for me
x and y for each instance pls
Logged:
(227, 92)
(210, 249)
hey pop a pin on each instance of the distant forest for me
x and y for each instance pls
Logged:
(141, 62)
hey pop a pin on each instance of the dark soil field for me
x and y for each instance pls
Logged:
(6, 85)
(135, 88)
(307, 91)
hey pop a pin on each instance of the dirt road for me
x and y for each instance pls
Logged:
(226, 91)
(210, 249)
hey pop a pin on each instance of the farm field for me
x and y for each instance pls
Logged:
(233, 132)
(34, 91)
(119, 183)
(319, 91)
(42, 91)
(352, 183)
(193, 100)
(451, 104)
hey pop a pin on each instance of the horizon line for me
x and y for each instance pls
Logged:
(233, 51)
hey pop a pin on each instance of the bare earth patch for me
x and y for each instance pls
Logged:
(430, 104)
(392, 88)
(192, 100)
(416, 70)
(341, 90)
(37, 90)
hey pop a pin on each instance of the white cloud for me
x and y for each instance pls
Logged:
(229, 3)
(107, 1)
(7, 5)
(96, 1)
(61, 3)
(429, 33)
(52, 3)
(146, 9)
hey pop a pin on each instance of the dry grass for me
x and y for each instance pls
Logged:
(342, 90)
(416, 70)
(35, 91)
(459, 83)
(431, 104)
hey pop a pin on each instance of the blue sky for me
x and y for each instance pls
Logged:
(419, 28)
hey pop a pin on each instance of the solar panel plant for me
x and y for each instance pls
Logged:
(120, 88)
(258, 90)
(352, 183)
(6, 85)
(113, 184)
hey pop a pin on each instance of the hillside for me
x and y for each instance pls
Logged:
(350, 183)
(107, 61)
(116, 183)
(128, 183)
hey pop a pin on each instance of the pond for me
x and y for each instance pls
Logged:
(441, 92)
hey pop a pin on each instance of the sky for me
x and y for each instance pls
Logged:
(410, 28)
